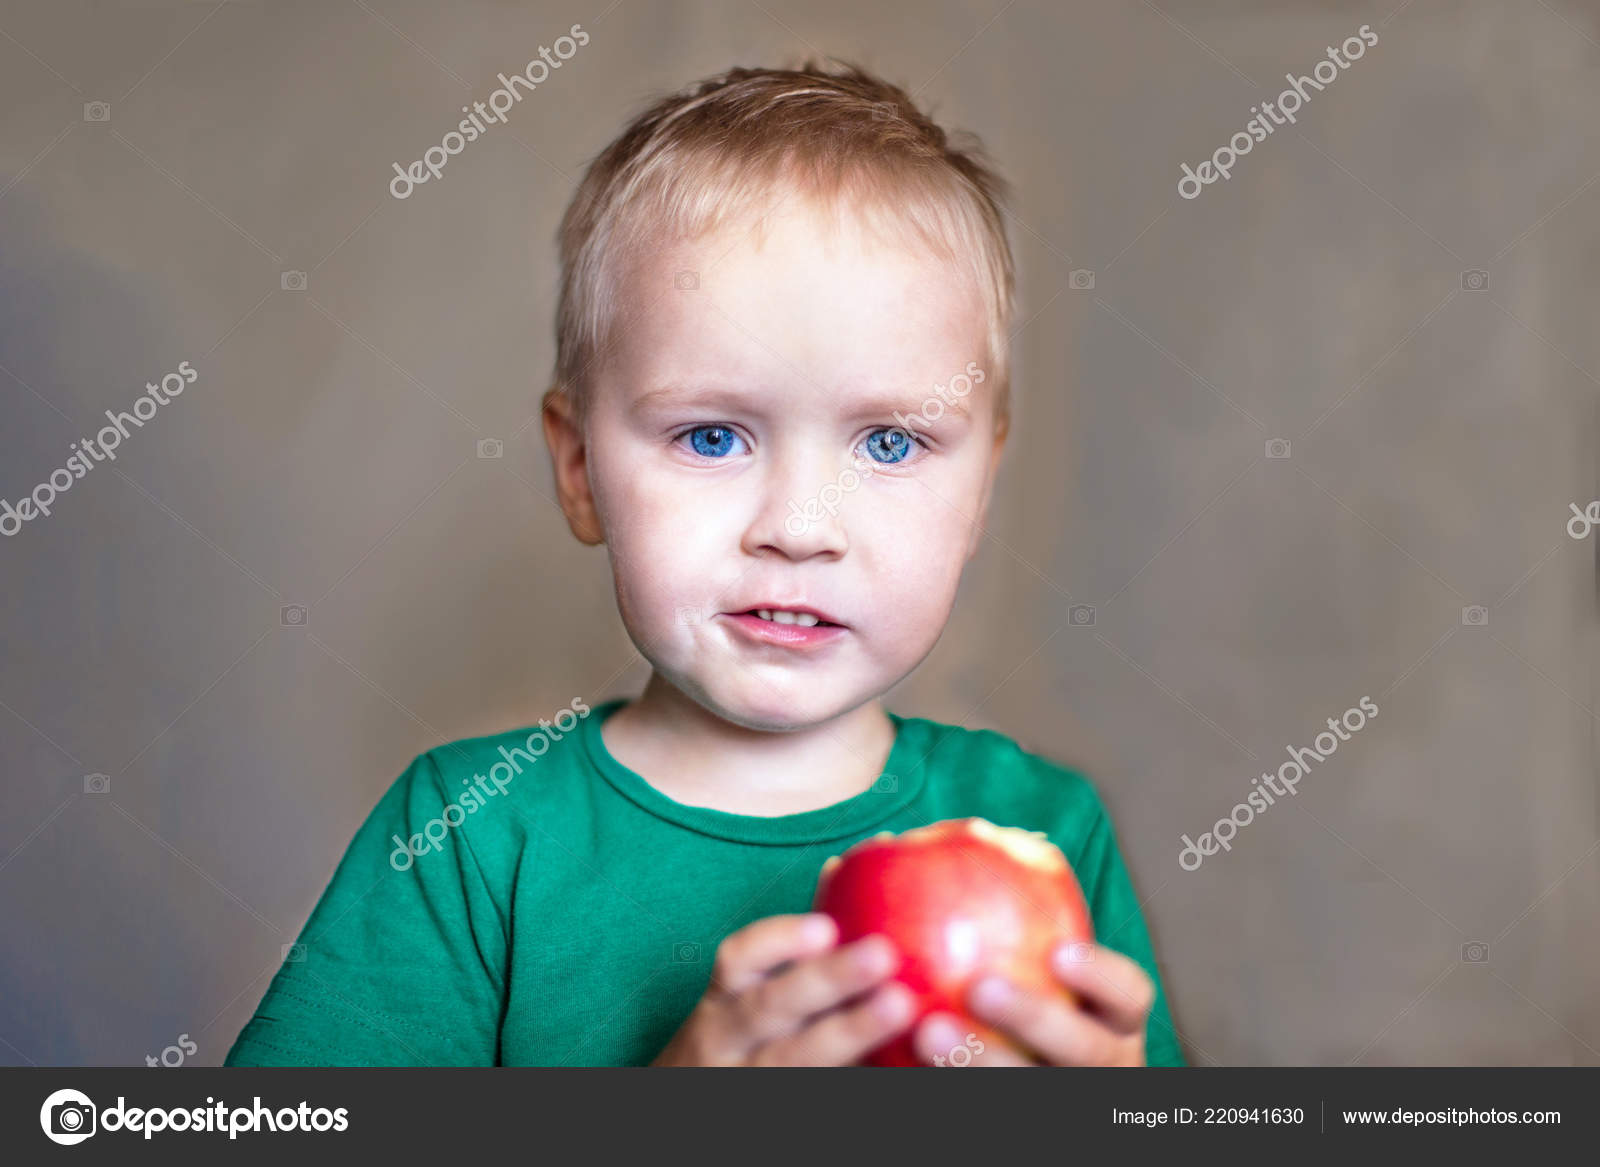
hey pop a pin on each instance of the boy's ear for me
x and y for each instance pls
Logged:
(570, 456)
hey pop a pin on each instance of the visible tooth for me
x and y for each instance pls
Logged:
(805, 618)
(784, 617)
(764, 613)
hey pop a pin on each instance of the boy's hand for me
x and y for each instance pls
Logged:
(1106, 1028)
(778, 997)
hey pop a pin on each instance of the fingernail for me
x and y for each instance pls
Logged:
(992, 993)
(817, 929)
(938, 1036)
(874, 955)
(891, 1004)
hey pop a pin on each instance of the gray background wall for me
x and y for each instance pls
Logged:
(326, 457)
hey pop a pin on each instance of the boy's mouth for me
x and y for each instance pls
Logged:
(802, 616)
(787, 628)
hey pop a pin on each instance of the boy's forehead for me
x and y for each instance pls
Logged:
(799, 293)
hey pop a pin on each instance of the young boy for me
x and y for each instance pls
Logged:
(780, 402)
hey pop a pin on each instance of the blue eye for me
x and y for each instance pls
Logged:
(893, 443)
(712, 441)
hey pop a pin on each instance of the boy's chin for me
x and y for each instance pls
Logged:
(774, 712)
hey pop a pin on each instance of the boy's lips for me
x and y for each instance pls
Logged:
(768, 606)
(753, 627)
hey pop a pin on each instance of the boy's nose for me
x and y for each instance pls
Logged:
(800, 510)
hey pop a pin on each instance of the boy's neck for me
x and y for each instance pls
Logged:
(695, 757)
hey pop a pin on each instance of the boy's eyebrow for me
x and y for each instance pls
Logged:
(876, 406)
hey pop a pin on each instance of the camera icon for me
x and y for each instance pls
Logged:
(1475, 615)
(294, 953)
(886, 784)
(292, 281)
(1080, 952)
(688, 615)
(1475, 280)
(1475, 952)
(1082, 279)
(97, 111)
(491, 448)
(69, 1121)
(1277, 447)
(686, 281)
(1081, 615)
(97, 783)
(686, 952)
(292, 616)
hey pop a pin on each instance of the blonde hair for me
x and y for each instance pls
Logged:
(724, 147)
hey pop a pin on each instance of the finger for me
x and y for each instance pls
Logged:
(745, 956)
(1050, 1025)
(778, 1005)
(1111, 985)
(844, 1036)
(943, 1040)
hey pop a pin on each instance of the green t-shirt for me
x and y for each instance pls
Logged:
(569, 913)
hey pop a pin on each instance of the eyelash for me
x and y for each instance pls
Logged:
(714, 425)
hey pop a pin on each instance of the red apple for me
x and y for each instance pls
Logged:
(959, 899)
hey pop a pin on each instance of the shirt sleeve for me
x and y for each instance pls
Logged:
(403, 960)
(1119, 925)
